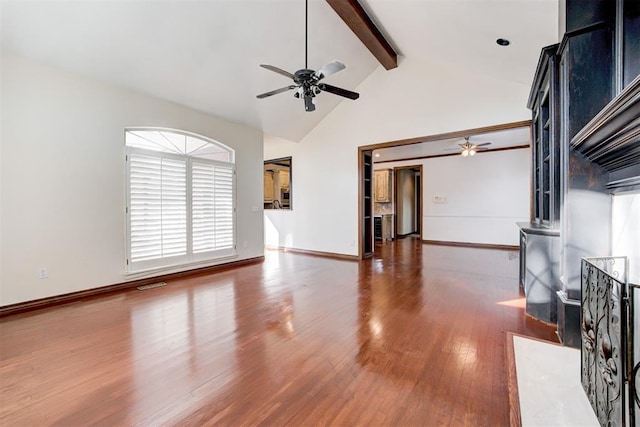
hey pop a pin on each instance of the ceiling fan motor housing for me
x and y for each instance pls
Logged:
(303, 76)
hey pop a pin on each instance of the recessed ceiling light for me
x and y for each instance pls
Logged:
(503, 42)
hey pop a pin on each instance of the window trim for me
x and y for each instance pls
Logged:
(190, 259)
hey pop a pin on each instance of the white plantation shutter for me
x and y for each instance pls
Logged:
(174, 207)
(212, 206)
(157, 207)
(171, 195)
(223, 214)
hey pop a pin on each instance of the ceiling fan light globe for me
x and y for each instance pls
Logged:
(465, 153)
(472, 152)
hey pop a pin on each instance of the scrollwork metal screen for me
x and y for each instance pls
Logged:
(604, 338)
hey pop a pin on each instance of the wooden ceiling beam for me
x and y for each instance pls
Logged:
(359, 22)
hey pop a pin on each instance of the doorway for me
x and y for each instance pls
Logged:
(508, 136)
(407, 201)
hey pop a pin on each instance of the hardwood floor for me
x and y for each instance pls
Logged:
(414, 336)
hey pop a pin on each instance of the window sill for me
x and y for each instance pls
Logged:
(176, 268)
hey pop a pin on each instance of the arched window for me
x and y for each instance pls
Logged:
(180, 198)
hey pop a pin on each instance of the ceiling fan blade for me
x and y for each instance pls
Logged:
(277, 91)
(483, 144)
(331, 68)
(277, 70)
(308, 104)
(338, 91)
(451, 149)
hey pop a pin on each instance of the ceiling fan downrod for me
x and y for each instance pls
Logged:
(307, 81)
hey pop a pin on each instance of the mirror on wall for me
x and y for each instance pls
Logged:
(277, 183)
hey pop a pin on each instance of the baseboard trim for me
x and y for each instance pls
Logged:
(332, 255)
(471, 245)
(47, 302)
(515, 419)
(402, 236)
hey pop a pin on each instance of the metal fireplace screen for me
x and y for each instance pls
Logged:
(607, 346)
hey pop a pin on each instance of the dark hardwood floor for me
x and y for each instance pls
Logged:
(414, 336)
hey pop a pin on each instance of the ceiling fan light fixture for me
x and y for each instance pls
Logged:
(465, 153)
(472, 152)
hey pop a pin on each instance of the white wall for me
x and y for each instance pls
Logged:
(412, 100)
(63, 187)
(626, 231)
(485, 196)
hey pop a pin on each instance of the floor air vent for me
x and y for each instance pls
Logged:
(151, 286)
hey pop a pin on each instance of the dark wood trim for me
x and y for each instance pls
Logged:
(579, 31)
(471, 245)
(360, 204)
(419, 208)
(396, 235)
(543, 62)
(515, 420)
(531, 191)
(332, 255)
(612, 138)
(447, 135)
(363, 27)
(361, 181)
(404, 236)
(55, 300)
(516, 147)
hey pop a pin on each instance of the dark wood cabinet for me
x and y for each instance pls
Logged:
(543, 101)
(585, 103)
(583, 13)
(630, 41)
(588, 77)
(367, 203)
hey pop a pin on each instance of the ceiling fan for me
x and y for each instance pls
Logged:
(306, 81)
(469, 149)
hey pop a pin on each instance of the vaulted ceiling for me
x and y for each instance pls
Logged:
(205, 54)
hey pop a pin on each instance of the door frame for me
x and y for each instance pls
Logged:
(418, 140)
(419, 201)
(365, 177)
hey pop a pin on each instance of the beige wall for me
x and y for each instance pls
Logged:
(412, 100)
(62, 178)
(485, 196)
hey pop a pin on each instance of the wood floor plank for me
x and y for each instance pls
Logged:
(413, 336)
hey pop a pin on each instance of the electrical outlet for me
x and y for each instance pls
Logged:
(43, 273)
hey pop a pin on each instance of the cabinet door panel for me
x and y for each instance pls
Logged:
(381, 184)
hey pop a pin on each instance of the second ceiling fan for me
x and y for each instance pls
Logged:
(306, 81)
(469, 149)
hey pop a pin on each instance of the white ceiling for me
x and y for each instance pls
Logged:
(500, 139)
(205, 54)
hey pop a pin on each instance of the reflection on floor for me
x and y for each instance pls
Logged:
(549, 385)
(412, 336)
